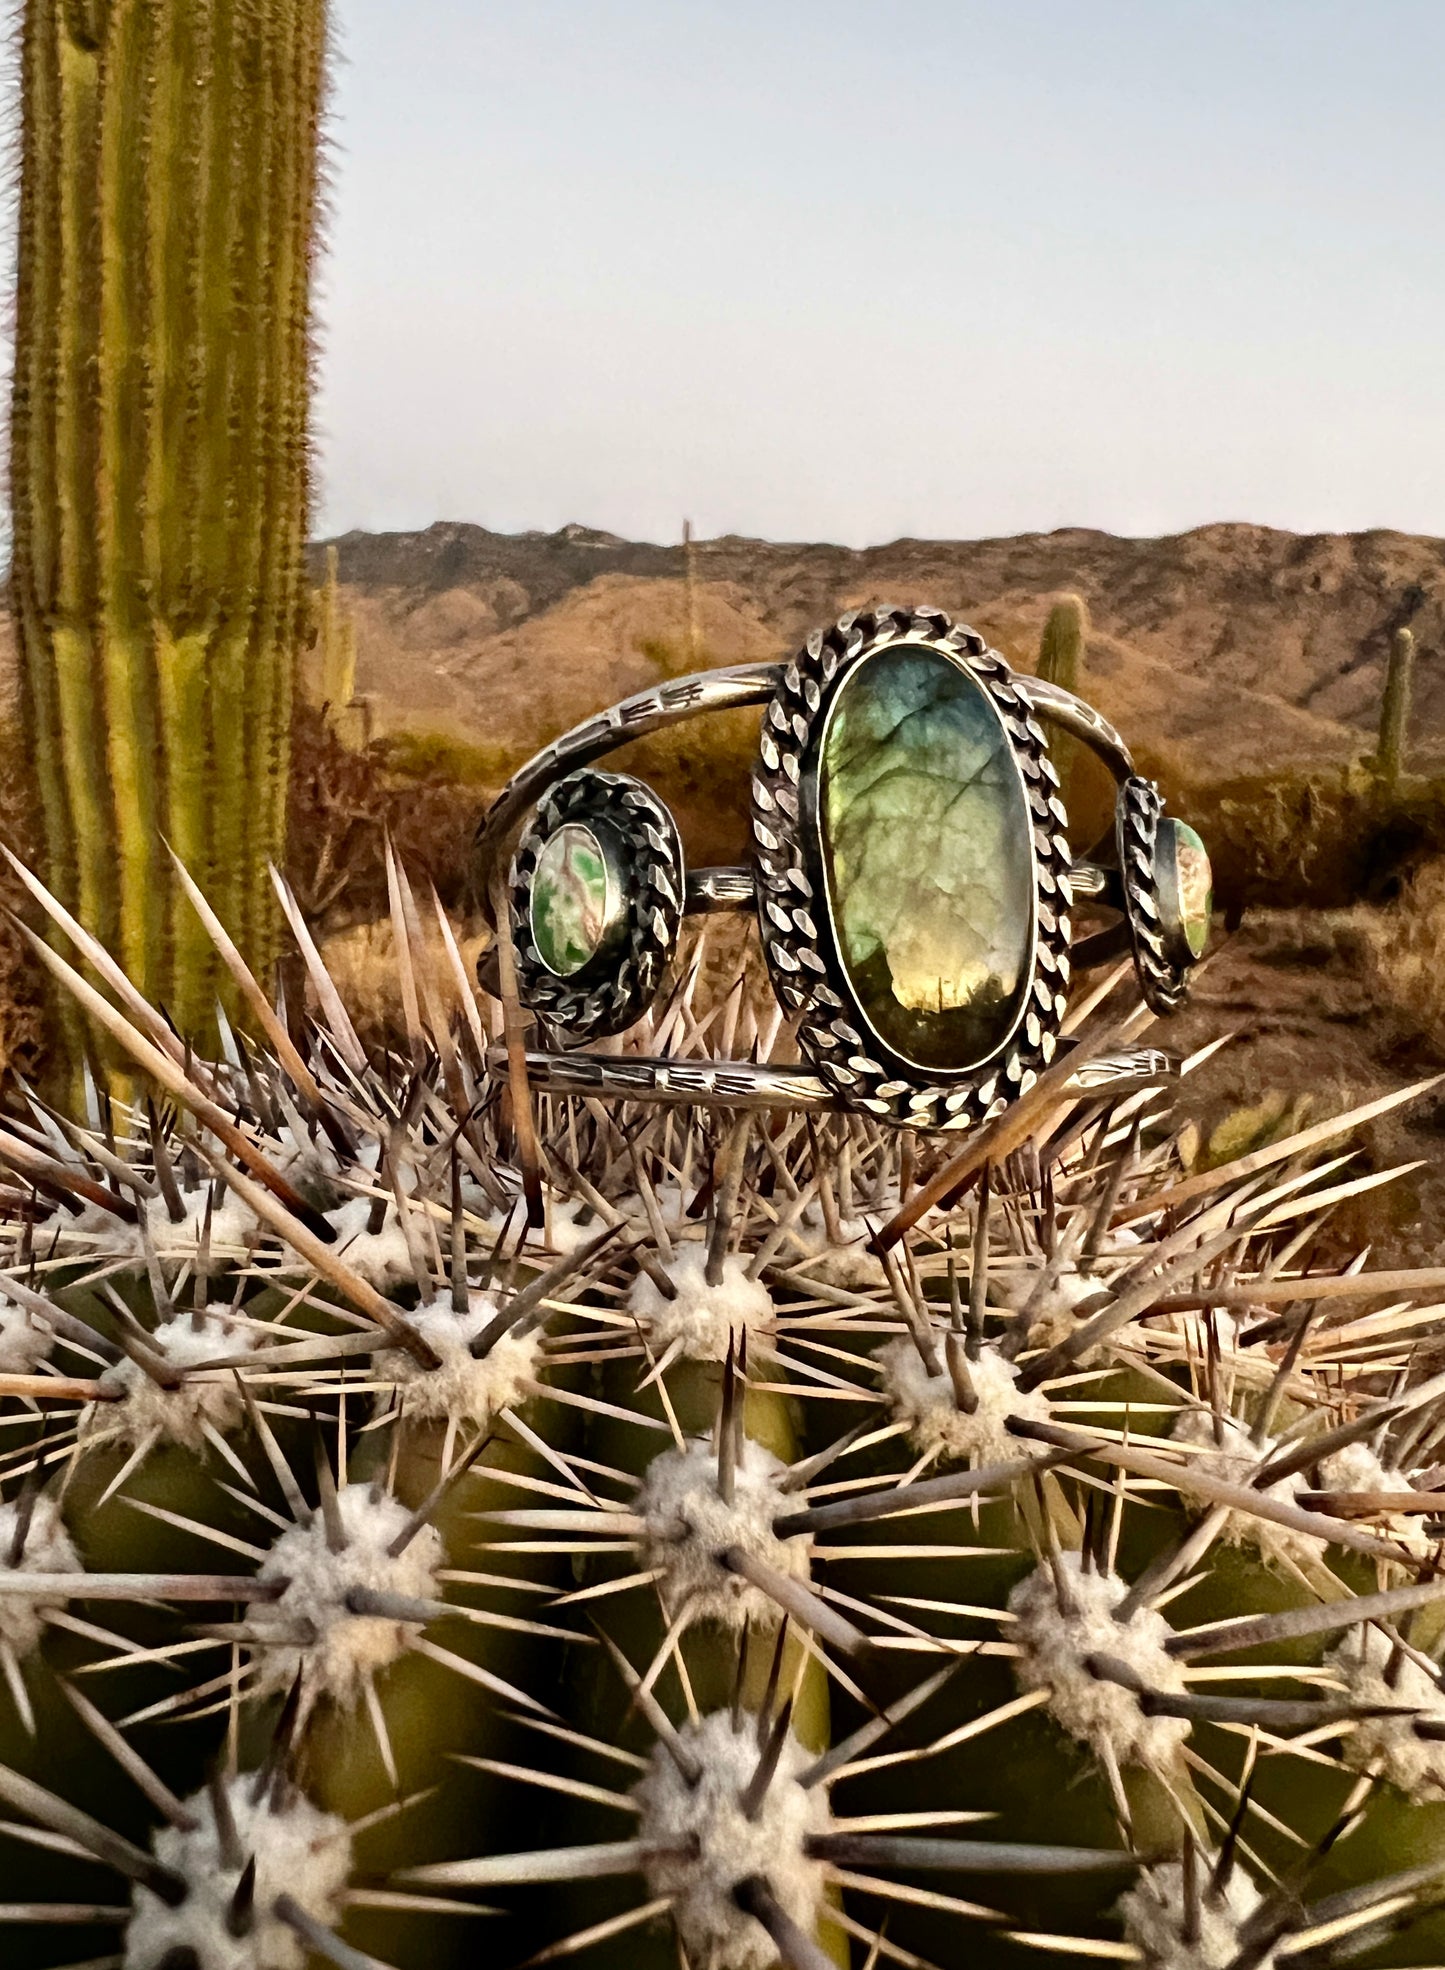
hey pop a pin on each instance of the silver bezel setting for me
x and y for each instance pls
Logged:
(644, 856)
(797, 935)
(1157, 940)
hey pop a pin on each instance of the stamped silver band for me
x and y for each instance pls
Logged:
(653, 710)
(731, 688)
(749, 1084)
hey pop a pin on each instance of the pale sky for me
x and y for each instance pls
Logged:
(854, 269)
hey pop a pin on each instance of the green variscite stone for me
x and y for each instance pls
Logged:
(1193, 885)
(570, 899)
(928, 856)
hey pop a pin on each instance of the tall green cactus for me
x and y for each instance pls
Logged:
(1061, 660)
(1395, 708)
(159, 453)
(1065, 637)
(336, 643)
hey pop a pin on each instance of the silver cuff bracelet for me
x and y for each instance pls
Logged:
(910, 874)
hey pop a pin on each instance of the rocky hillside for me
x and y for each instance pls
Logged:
(1230, 649)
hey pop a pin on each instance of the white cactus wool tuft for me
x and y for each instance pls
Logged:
(701, 1320)
(927, 1404)
(690, 1526)
(703, 1842)
(293, 1849)
(320, 1574)
(1066, 1629)
(462, 1386)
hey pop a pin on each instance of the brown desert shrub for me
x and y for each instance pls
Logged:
(1321, 839)
(345, 802)
(1405, 952)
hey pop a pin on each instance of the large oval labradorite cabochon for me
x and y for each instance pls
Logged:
(571, 899)
(928, 856)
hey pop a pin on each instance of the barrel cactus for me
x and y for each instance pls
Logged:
(792, 1542)
(159, 456)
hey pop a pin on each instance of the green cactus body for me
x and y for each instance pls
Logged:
(1065, 638)
(1395, 708)
(159, 468)
(1062, 649)
(336, 638)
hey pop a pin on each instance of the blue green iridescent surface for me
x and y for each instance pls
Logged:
(928, 854)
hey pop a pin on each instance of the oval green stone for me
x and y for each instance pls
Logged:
(571, 899)
(927, 852)
(1193, 896)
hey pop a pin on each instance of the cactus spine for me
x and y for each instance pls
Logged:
(1395, 708)
(159, 454)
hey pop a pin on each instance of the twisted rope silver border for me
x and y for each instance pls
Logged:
(615, 987)
(806, 971)
(1137, 813)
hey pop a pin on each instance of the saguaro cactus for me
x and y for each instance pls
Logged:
(1061, 660)
(336, 639)
(1061, 649)
(159, 453)
(1395, 707)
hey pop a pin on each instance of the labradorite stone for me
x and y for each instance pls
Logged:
(1193, 896)
(570, 899)
(928, 857)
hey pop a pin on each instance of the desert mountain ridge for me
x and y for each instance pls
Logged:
(1232, 648)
